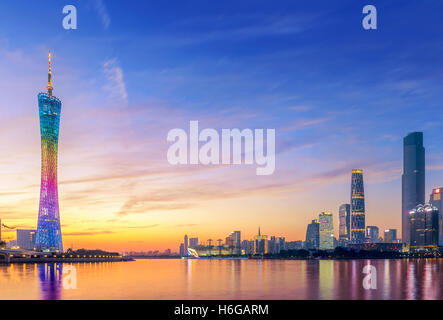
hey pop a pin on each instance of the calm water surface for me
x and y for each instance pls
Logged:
(226, 279)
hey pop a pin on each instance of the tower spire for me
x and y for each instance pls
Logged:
(49, 87)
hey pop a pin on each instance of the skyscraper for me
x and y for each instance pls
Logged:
(357, 207)
(273, 246)
(26, 239)
(282, 243)
(313, 235)
(413, 178)
(390, 236)
(326, 229)
(437, 202)
(193, 243)
(49, 236)
(185, 245)
(344, 214)
(235, 240)
(372, 234)
(261, 243)
(423, 226)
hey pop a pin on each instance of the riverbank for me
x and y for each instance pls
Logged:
(21, 260)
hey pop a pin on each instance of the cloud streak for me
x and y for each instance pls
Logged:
(91, 233)
(116, 86)
(102, 12)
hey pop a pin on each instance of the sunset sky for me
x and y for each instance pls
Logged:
(338, 96)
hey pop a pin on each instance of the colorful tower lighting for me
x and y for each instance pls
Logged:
(49, 237)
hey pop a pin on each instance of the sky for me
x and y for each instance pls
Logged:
(339, 97)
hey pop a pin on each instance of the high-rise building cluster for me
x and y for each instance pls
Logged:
(351, 217)
(233, 245)
(422, 223)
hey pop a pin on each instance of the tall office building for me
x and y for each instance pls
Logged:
(437, 201)
(49, 236)
(26, 239)
(357, 207)
(260, 243)
(313, 235)
(273, 245)
(235, 240)
(282, 243)
(326, 229)
(390, 236)
(372, 234)
(423, 226)
(413, 178)
(247, 246)
(344, 214)
(185, 245)
(193, 243)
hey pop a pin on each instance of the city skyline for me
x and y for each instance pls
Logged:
(242, 69)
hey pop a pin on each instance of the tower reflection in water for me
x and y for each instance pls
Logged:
(51, 282)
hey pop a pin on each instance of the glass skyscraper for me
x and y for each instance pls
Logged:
(344, 214)
(413, 178)
(423, 226)
(372, 233)
(390, 236)
(326, 230)
(357, 208)
(313, 235)
(49, 236)
(437, 201)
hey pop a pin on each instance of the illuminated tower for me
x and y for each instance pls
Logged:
(357, 207)
(49, 237)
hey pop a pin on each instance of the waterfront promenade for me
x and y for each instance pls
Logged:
(22, 256)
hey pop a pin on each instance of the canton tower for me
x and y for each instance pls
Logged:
(49, 237)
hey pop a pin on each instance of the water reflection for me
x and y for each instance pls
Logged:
(50, 276)
(227, 279)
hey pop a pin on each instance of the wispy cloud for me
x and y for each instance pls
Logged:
(144, 206)
(92, 233)
(102, 13)
(142, 227)
(299, 108)
(115, 86)
(435, 167)
(186, 225)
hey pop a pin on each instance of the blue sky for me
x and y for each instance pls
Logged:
(339, 97)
